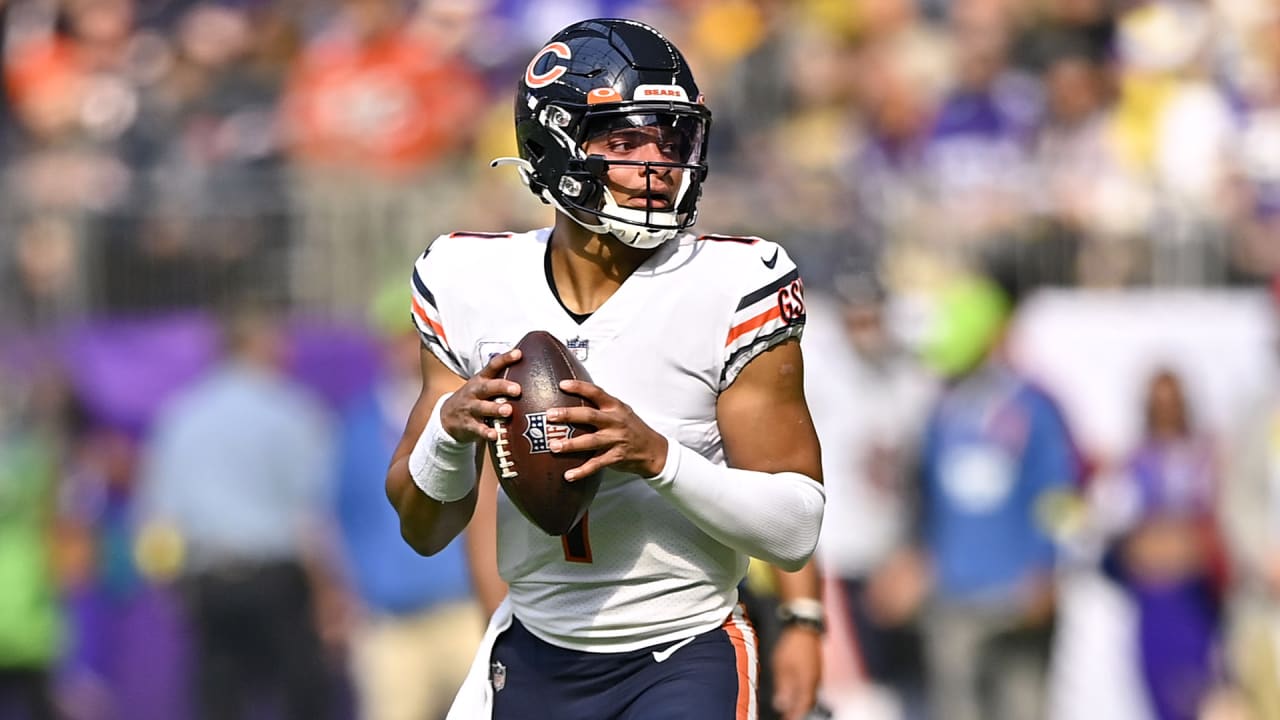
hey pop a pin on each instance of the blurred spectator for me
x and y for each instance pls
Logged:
(757, 94)
(1251, 517)
(1167, 554)
(31, 626)
(897, 90)
(978, 155)
(1255, 253)
(75, 96)
(367, 96)
(43, 285)
(869, 398)
(236, 476)
(374, 116)
(1174, 129)
(211, 200)
(72, 84)
(149, 166)
(802, 155)
(1087, 26)
(124, 657)
(1089, 196)
(996, 452)
(417, 623)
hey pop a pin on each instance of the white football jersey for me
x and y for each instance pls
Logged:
(669, 340)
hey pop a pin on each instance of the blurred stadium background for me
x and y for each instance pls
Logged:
(1115, 163)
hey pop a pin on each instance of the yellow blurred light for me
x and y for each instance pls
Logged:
(159, 551)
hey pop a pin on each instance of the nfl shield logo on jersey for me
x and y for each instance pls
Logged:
(579, 347)
(541, 432)
(498, 675)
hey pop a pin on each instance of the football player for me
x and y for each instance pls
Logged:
(702, 433)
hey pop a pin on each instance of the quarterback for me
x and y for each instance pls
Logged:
(702, 432)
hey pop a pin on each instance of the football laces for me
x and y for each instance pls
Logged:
(501, 451)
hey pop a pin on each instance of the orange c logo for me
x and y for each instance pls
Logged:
(533, 79)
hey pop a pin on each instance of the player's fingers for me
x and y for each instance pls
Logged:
(578, 416)
(497, 387)
(487, 431)
(499, 362)
(595, 464)
(483, 409)
(470, 429)
(585, 442)
(590, 391)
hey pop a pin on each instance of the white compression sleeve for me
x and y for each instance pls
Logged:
(772, 516)
(442, 468)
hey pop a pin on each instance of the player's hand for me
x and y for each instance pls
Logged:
(797, 670)
(466, 413)
(621, 439)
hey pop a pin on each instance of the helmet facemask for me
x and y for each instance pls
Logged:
(680, 135)
(581, 190)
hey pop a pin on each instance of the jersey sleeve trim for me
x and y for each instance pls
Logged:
(438, 338)
(747, 326)
(745, 354)
(426, 318)
(771, 314)
(768, 290)
(421, 287)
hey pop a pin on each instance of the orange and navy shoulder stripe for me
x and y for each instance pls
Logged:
(424, 308)
(427, 318)
(763, 318)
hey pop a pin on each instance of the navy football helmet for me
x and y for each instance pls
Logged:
(600, 75)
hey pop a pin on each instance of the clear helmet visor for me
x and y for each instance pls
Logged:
(626, 137)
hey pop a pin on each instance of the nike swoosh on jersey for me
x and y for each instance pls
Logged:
(662, 655)
(771, 261)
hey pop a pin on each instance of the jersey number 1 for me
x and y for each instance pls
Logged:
(576, 544)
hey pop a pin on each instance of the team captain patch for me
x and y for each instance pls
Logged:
(541, 432)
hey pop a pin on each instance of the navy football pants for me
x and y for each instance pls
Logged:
(709, 677)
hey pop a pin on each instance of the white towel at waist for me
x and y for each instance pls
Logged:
(474, 700)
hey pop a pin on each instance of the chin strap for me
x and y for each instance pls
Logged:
(631, 231)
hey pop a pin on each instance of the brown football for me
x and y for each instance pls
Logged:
(530, 474)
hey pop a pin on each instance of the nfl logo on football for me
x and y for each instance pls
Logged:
(579, 347)
(541, 432)
(498, 675)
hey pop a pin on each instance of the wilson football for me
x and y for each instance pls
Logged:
(531, 475)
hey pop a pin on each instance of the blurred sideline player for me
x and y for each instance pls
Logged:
(416, 623)
(703, 434)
